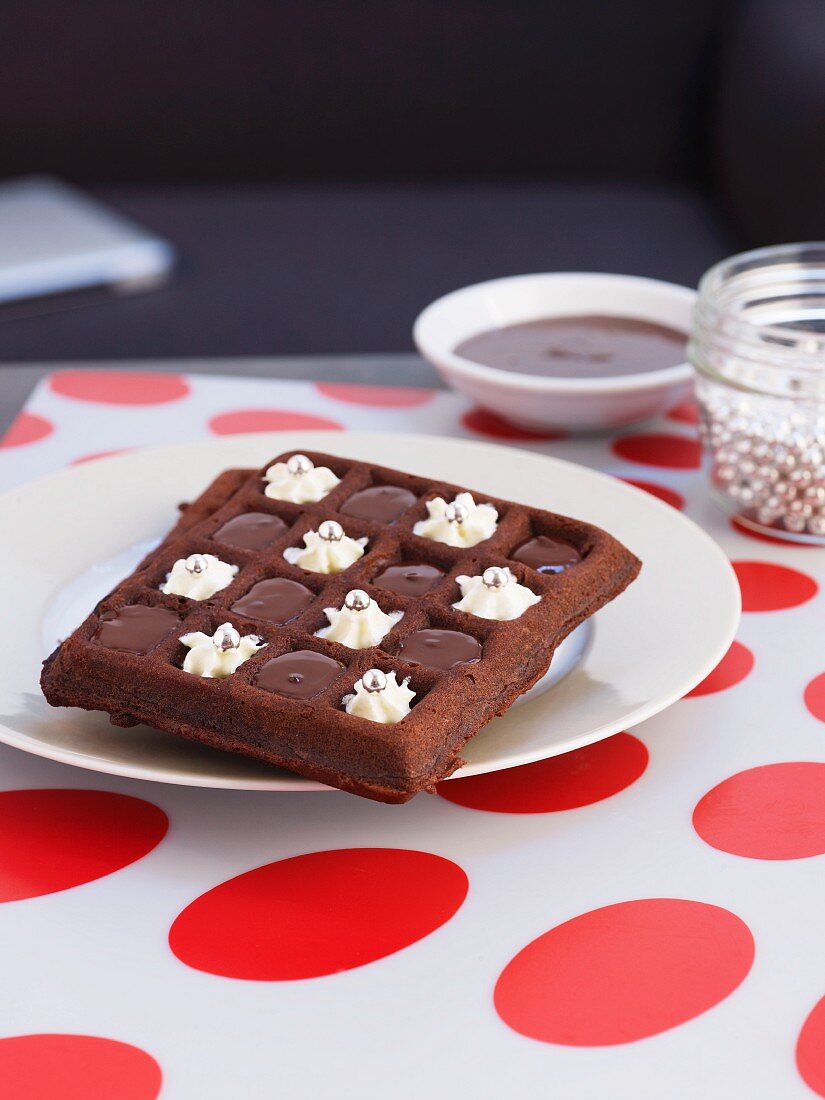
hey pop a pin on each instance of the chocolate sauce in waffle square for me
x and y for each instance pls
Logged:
(140, 678)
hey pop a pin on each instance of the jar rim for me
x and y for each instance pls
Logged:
(744, 273)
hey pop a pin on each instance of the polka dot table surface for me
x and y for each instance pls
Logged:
(640, 918)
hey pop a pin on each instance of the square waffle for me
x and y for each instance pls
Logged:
(316, 737)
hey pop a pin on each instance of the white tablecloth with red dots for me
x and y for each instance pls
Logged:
(640, 918)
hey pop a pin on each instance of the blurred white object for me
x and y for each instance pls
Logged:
(573, 404)
(54, 239)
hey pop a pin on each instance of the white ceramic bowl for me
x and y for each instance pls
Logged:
(556, 403)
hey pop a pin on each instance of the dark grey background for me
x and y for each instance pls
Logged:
(327, 167)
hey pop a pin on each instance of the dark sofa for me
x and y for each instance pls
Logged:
(327, 168)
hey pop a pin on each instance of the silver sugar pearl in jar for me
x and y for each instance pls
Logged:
(495, 577)
(758, 347)
(226, 637)
(374, 681)
(196, 563)
(331, 531)
(299, 464)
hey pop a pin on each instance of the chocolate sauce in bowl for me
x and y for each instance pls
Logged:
(577, 347)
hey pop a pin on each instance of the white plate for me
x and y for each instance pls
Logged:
(68, 536)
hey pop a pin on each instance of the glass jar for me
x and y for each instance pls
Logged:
(758, 347)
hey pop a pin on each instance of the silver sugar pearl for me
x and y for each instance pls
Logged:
(331, 531)
(374, 681)
(196, 563)
(800, 508)
(759, 486)
(768, 516)
(794, 524)
(495, 577)
(299, 464)
(456, 513)
(357, 600)
(783, 490)
(226, 637)
(816, 525)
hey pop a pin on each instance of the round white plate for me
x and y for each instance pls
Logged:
(68, 537)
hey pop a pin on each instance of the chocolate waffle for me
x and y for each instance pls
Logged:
(315, 736)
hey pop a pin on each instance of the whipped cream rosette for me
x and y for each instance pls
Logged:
(496, 594)
(218, 655)
(360, 622)
(379, 697)
(198, 577)
(299, 481)
(460, 523)
(327, 550)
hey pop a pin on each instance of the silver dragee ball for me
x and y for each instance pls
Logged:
(374, 680)
(495, 577)
(299, 464)
(196, 563)
(331, 531)
(455, 513)
(357, 600)
(226, 637)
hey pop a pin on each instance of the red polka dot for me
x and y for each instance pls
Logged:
(99, 454)
(318, 913)
(384, 397)
(731, 670)
(815, 697)
(675, 452)
(577, 778)
(52, 840)
(489, 423)
(621, 973)
(810, 1049)
(769, 587)
(268, 420)
(75, 1067)
(687, 412)
(669, 496)
(27, 428)
(119, 387)
(776, 811)
(761, 536)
